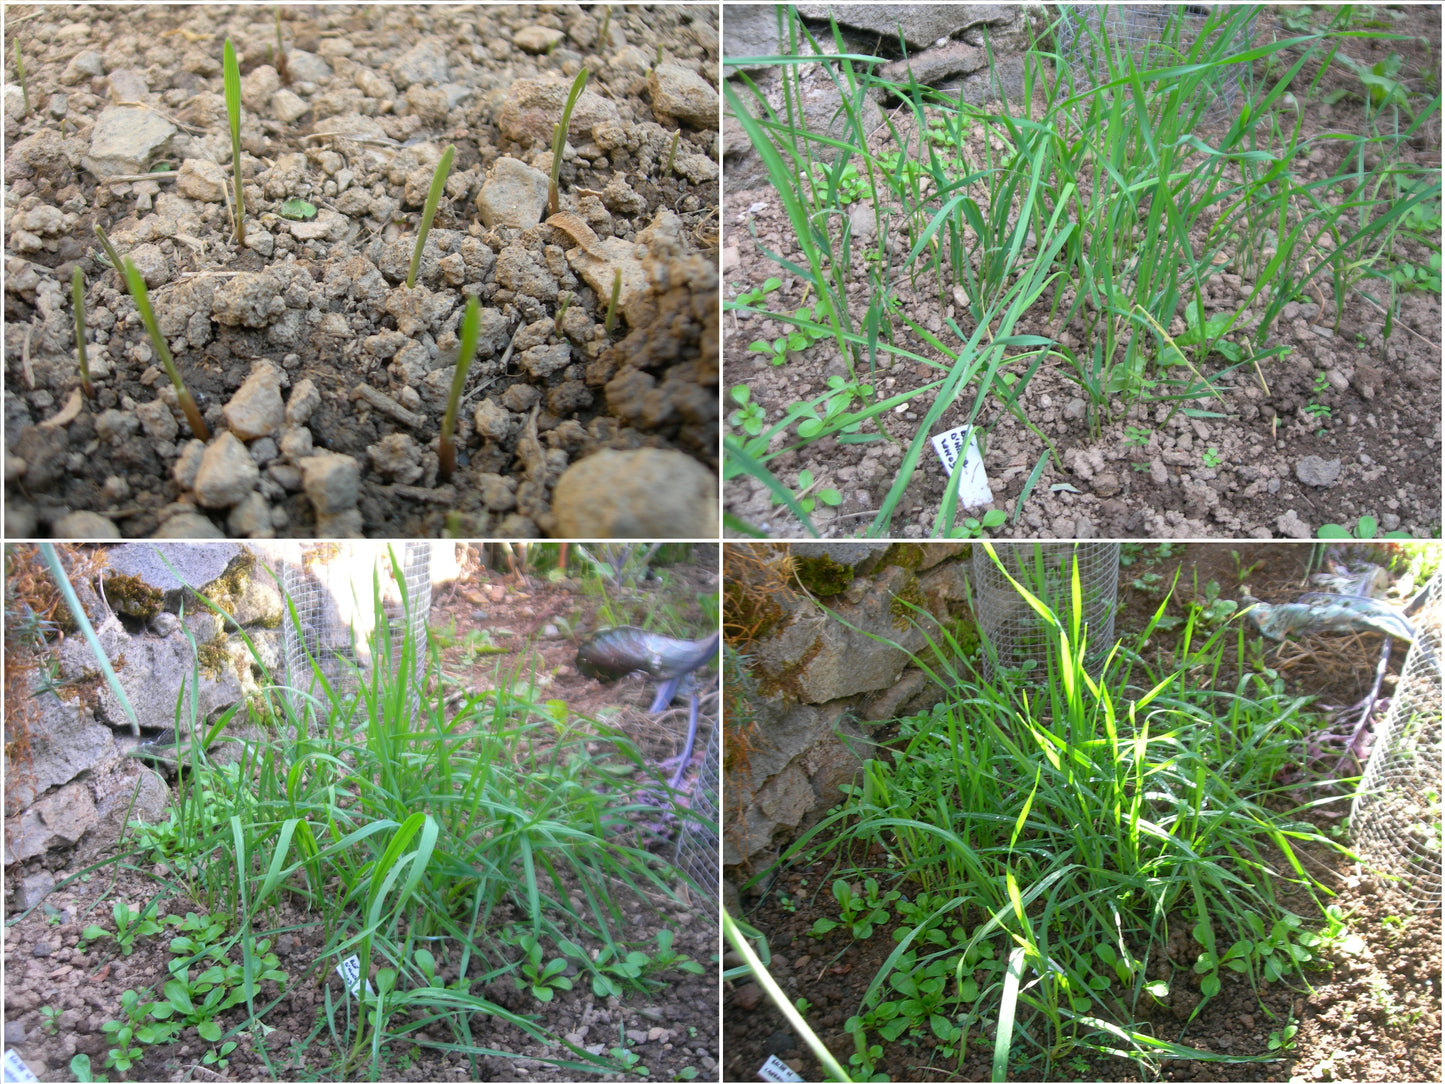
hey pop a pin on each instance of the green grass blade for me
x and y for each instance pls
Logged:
(433, 197)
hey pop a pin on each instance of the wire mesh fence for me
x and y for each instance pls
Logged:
(1101, 41)
(1020, 641)
(697, 842)
(331, 586)
(1396, 815)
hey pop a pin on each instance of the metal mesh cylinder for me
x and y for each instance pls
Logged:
(331, 586)
(697, 842)
(1098, 40)
(1396, 816)
(1020, 641)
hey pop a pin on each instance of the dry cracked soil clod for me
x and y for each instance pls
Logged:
(322, 375)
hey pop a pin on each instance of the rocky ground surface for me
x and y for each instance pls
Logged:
(321, 376)
(1369, 1012)
(1345, 424)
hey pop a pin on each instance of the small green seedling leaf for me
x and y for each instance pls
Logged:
(298, 210)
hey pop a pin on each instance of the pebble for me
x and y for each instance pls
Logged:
(226, 474)
(251, 518)
(537, 39)
(188, 525)
(644, 493)
(1314, 471)
(157, 419)
(332, 481)
(84, 525)
(188, 463)
(256, 410)
(748, 997)
(304, 401)
(1291, 526)
(682, 93)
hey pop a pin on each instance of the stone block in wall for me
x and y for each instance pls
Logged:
(818, 658)
(750, 30)
(64, 740)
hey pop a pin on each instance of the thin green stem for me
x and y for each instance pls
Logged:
(137, 288)
(231, 79)
(559, 139)
(433, 197)
(446, 450)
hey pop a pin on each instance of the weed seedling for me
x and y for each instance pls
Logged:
(77, 301)
(20, 74)
(543, 979)
(50, 1019)
(128, 926)
(433, 197)
(1365, 528)
(231, 77)
(612, 303)
(137, 288)
(1136, 436)
(749, 416)
(1211, 458)
(752, 297)
(446, 450)
(974, 528)
(672, 152)
(559, 137)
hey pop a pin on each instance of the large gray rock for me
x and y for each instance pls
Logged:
(749, 30)
(152, 674)
(171, 566)
(64, 740)
(919, 24)
(841, 659)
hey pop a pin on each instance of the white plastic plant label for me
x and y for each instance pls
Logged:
(17, 1070)
(973, 488)
(776, 1069)
(350, 971)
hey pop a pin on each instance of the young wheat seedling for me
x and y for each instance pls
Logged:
(77, 301)
(559, 140)
(433, 197)
(446, 450)
(137, 287)
(672, 154)
(612, 304)
(110, 252)
(231, 77)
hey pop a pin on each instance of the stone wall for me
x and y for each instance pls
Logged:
(949, 47)
(70, 782)
(829, 630)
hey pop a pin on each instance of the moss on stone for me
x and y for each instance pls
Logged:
(906, 602)
(907, 555)
(823, 576)
(133, 597)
